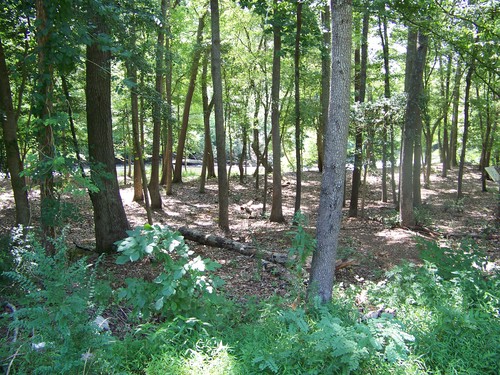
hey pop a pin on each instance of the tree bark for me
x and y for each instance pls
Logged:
(220, 135)
(361, 62)
(452, 157)
(298, 133)
(154, 183)
(9, 128)
(468, 82)
(406, 215)
(382, 28)
(277, 200)
(208, 155)
(332, 183)
(189, 97)
(325, 82)
(109, 215)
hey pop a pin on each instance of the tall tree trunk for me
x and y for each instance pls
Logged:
(452, 157)
(43, 111)
(485, 144)
(140, 177)
(167, 158)
(361, 62)
(208, 157)
(9, 128)
(413, 81)
(298, 135)
(468, 82)
(189, 97)
(244, 142)
(109, 215)
(154, 183)
(277, 203)
(325, 81)
(220, 135)
(332, 184)
(445, 92)
(382, 27)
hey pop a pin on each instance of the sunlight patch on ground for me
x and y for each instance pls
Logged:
(395, 235)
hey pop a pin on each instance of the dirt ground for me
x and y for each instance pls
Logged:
(373, 243)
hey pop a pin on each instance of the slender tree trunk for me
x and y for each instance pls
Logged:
(382, 27)
(208, 156)
(332, 184)
(468, 82)
(109, 215)
(452, 157)
(13, 156)
(277, 203)
(361, 63)
(219, 119)
(43, 110)
(154, 183)
(189, 97)
(445, 90)
(298, 135)
(167, 159)
(325, 81)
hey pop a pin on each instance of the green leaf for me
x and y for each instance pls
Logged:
(122, 259)
(159, 303)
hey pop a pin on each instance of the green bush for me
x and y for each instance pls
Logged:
(181, 287)
(53, 330)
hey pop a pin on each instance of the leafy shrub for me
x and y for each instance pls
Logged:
(55, 313)
(180, 288)
(451, 306)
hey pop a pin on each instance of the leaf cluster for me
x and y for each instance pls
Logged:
(180, 287)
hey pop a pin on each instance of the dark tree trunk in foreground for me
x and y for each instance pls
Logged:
(220, 133)
(9, 127)
(277, 203)
(332, 184)
(109, 216)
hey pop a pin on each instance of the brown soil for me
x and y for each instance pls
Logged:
(371, 242)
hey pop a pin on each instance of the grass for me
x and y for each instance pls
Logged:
(446, 322)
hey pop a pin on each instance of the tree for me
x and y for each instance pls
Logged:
(189, 97)
(416, 55)
(332, 183)
(325, 81)
(9, 127)
(219, 119)
(277, 202)
(110, 221)
(154, 183)
(361, 62)
(298, 133)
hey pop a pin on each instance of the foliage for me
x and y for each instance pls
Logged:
(52, 329)
(450, 305)
(303, 244)
(181, 287)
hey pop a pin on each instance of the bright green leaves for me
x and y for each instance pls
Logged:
(181, 287)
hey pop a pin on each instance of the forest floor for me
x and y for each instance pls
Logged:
(373, 243)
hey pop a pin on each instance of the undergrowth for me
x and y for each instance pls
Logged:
(439, 318)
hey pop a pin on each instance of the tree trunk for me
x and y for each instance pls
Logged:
(412, 83)
(332, 183)
(109, 216)
(220, 136)
(189, 97)
(382, 27)
(452, 157)
(140, 177)
(468, 82)
(208, 156)
(445, 92)
(361, 62)
(277, 203)
(167, 158)
(9, 127)
(43, 110)
(298, 135)
(325, 82)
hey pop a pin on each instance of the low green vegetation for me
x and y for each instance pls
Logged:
(438, 318)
